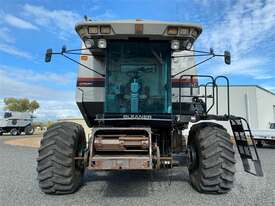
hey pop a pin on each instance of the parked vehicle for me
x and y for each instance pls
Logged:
(16, 122)
(266, 136)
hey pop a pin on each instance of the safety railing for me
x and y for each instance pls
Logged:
(210, 87)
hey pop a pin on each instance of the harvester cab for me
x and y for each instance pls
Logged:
(137, 88)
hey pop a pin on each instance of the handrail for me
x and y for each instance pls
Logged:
(228, 95)
(192, 77)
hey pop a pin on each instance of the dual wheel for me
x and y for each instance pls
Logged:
(15, 132)
(212, 159)
(29, 130)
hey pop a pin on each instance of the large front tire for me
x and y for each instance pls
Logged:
(213, 168)
(58, 171)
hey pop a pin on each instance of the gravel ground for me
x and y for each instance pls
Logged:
(18, 185)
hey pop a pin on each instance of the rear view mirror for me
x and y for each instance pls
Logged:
(48, 55)
(227, 57)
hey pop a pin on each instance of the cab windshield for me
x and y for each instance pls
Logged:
(137, 79)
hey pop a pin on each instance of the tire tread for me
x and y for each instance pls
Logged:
(216, 169)
(55, 163)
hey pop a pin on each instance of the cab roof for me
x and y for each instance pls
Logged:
(139, 28)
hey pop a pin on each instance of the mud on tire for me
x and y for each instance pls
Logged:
(214, 168)
(58, 171)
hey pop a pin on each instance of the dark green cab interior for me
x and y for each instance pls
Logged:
(138, 77)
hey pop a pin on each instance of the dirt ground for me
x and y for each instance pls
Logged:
(25, 140)
(19, 184)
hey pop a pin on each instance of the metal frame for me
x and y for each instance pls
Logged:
(96, 129)
(239, 132)
(215, 91)
(192, 87)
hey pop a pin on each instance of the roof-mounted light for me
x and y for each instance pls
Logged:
(89, 43)
(105, 29)
(92, 29)
(175, 44)
(82, 31)
(172, 30)
(102, 44)
(194, 33)
(184, 31)
(187, 45)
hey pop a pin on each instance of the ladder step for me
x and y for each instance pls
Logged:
(244, 148)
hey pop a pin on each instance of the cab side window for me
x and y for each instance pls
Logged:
(7, 114)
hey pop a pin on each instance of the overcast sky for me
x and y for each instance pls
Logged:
(27, 28)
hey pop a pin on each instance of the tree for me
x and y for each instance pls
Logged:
(20, 105)
(34, 105)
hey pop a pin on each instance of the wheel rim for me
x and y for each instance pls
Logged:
(79, 163)
(14, 132)
(192, 156)
(30, 130)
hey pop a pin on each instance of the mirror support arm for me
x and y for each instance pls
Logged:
(193, 66)
(211, 53)
(103, 75)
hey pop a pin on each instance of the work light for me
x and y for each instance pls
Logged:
(184, 31)
(105, 29)
(89, 43)
(187, 44)
(175, 44)
(194, 33)
(82, 31)
(93, 30)
(172, 30)
(102, 44)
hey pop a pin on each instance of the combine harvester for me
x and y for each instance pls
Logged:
(16, 122)
(138, 105)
